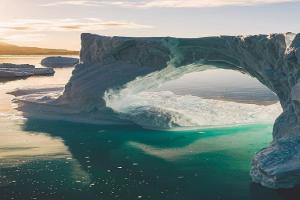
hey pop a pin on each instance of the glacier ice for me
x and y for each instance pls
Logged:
(110, 85)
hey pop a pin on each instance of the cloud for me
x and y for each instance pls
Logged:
(12, 38)
(74, 3)
(34, 30)
(80, 25)
(167, 3)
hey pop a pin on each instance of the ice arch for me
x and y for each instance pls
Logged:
(110, 62)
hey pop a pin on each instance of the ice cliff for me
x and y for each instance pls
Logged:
(112, 69)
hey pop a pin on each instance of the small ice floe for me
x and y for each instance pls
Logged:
(92, 184)
(14, 71)
(59, 61)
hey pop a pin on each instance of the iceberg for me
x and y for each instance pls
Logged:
(59, 61)
(13, 71)
(109, 85)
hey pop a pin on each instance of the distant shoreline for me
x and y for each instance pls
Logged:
(10, 49)
(3, 55)
(72, 53)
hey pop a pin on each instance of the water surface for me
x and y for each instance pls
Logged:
(41, 159)
(224, 85)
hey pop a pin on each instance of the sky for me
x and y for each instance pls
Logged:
(58, 24)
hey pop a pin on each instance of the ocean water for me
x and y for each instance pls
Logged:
(222, 84)
(42, 159)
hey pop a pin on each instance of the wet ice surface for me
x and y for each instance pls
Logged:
(42, 159)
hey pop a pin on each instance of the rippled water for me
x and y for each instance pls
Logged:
(42, 159)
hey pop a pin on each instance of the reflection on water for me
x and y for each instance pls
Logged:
(19, 147)
(79, 161)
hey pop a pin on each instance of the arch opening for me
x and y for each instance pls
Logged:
(154, 103)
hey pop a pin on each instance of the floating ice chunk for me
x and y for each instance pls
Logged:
(8, 70)
(58, 61)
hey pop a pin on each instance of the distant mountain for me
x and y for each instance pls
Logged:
(10, 49)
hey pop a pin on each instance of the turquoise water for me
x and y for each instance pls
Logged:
(102, 162)
(42, 159)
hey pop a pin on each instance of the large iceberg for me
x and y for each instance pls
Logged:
(115, 71)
